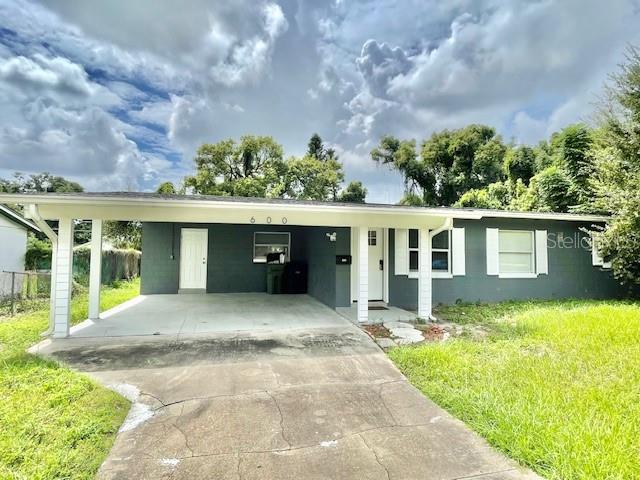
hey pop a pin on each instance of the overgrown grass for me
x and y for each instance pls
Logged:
(556, 385)
(54, 423)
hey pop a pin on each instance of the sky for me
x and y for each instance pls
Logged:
(118, 95)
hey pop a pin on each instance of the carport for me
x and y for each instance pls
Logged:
(326, 220)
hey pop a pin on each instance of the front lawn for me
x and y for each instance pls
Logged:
(54, 423)
(555, 386)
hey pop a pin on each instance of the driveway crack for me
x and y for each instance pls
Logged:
(284, 437)
(376, 456)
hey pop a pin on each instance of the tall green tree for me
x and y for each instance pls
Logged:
(353, 193)
(317, 149)
(255, 167)
(252, 167)
(166, 188)
(451, 162)
(617, 184)
(124, 234)
(520, 163)
(309, 178)
(40, 183)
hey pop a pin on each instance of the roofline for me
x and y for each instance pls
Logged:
(203, 201)
(17, 218)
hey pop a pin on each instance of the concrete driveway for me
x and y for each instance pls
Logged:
(321, 403)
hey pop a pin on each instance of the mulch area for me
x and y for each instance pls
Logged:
(377, 331)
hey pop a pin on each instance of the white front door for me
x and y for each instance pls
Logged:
(193, 258)
(376, 270)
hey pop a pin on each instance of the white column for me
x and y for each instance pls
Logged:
(63, 278)
(363, 274)
(95, 269)
(52, 288)
(424, 274)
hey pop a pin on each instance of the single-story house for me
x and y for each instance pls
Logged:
(344, 254)
(13, 240)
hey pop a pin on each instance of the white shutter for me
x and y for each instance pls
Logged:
(457, 251)
(542, 257)
(401, 251)
(493, 262)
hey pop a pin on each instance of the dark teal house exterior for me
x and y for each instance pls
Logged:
(492, 256)
(357, 256)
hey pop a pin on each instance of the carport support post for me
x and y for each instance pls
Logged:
(63, 278)
(363, 274)
(424, 274)
(95, 269)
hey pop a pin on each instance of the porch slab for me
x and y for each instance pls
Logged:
(378, 314)
(190, 314)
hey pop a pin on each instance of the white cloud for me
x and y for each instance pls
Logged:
(112, 90)
(379, 63)
(245, 60)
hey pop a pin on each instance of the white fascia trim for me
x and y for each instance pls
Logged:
(179, 202)
(518, 275)
(468, 214)
(21, 221)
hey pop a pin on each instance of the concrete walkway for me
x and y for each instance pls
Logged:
(320, 403)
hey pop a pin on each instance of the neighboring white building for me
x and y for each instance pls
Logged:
(13, 246)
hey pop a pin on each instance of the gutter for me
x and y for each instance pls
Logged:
(447, 225)
(32, 212)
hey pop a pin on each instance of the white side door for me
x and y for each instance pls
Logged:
(193, 258)
(376, 258)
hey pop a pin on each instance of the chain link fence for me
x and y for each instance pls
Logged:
(23, 291)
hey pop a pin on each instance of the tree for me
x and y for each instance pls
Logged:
(451, 162)
(519, 163)
(309, 178)
(574, 151)
(553, 185)
(401, 155)
(353, 193)
(38, 183)
(317, 149)
(496, 195)
(617, 178)
(477, 198)
(166, 188)
(252, 167)
(123, 234)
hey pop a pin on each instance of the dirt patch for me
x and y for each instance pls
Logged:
(377, 331)
(432, 332)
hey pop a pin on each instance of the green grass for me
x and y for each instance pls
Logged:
(556, 385)
(54, 423)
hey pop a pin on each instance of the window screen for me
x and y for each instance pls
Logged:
(516, 251)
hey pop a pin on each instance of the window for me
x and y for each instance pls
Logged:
(372, 238)
(440, 252)
(413, 250)
(270, 242)
(516, 250)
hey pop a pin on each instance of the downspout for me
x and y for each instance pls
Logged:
(33, 213)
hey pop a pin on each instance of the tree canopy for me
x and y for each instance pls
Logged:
(451, 162)
(255, 167)
(38, 182)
